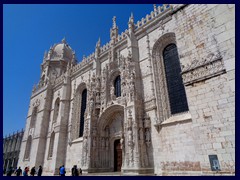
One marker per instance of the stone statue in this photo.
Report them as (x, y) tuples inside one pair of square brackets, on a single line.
[(94, 142), (147, 135), (91, 104), (112, 93), (103, 142)]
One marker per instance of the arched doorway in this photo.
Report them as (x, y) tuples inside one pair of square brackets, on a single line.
[(108, 151), (117, 155)]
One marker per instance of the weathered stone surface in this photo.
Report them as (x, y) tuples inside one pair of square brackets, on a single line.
[(152, 140)]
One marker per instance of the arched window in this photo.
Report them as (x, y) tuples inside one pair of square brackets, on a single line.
[(83, 108), (51, 145), (117, 86), (33, 118), (56, 110), (28, 148), (176, 91)]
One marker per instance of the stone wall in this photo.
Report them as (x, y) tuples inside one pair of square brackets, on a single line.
[(179, 144)]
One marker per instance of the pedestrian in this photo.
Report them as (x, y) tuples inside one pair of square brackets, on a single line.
[(19, 171), (33, 171), (62, 171), (73, 171), (39, 171), (76, 171), (25, 172), (10, 171), (80, 171)]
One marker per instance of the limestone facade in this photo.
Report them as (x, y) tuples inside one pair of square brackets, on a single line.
[(11, 149), (123, 93)]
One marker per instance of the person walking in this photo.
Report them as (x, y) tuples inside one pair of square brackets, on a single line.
[(76, 171), (39, 171), (19, 171), (62, 171), (73, 170), (25, 172), (80, 171), (33, 171)]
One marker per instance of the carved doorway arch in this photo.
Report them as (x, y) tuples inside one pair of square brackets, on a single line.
[(110, 131)]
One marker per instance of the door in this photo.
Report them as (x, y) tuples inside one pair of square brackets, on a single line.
[(117, 155)]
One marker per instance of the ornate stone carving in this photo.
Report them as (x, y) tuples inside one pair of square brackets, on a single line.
[(201, 70), (36, 103), (113, 97)]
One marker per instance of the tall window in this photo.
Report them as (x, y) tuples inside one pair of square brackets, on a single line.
[(33, 118), (117, 86), (56, 110), (176, 91), (51, 145), (28, 147), (83, 108)]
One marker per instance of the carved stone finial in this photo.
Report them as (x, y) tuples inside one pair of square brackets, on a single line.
[(131, 23), (114, 22), (45, 54), (155, 7), (98, 43), (131, 18), (64, 40)]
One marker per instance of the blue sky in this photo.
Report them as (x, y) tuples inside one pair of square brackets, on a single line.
[(29, 30)]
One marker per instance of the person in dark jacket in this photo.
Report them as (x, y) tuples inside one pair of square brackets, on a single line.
[(33, 171), (19, 171), (73, 170), (39, 171), (76, 173)]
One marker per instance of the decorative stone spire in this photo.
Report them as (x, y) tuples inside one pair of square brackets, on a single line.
[(131, 23), (45, 56), (97, 49), (114, 30), (114, 22), (64, 40), (98, 42), (154, 7)]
